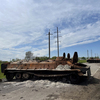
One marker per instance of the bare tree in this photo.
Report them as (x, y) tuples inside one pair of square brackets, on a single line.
[(29, 55)]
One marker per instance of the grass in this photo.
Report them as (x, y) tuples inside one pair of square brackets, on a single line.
[(1, 74), (82, 61)]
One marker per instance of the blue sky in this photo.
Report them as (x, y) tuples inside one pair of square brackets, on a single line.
[(25, 23)]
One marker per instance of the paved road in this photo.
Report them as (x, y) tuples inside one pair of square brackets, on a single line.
[(94, 67), (49, 90)]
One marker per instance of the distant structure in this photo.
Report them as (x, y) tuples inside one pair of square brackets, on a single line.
[(93, 59)]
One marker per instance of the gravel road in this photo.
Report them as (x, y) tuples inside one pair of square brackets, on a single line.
[(51, 90)]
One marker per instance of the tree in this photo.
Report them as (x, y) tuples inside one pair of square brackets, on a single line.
[(42, 58), (29, 55), (83, 58), (14, 60), (54, 57)]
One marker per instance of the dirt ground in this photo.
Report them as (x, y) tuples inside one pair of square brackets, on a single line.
[(51, 90)]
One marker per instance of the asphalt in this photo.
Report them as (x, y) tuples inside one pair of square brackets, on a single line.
[(94, 67), (50, 90)]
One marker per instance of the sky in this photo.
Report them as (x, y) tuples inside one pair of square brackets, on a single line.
[(24, 25)]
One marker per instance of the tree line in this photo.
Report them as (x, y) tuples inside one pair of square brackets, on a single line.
[(29, 56)]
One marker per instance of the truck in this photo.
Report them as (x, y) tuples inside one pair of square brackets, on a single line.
[(63, 68), (92, 60)]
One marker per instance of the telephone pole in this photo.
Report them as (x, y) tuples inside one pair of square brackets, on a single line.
[(57, 41), (91, 53), (87, 54), (49, 41)]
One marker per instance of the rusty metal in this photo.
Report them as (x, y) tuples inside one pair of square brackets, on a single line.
[(62, 66), (68, 56), (46, 65), (75, 57), (0, 80), (64, 55), (4, 66), (93, 60)]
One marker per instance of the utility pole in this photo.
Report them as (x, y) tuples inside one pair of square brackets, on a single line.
[(87, 54), (49, 41), (95, 55), (57, 41), (91, 53)]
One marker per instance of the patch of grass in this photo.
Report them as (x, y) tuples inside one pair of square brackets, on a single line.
[(82, 61), (1, 74)]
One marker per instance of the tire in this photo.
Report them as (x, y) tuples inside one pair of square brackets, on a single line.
[(9, 76), (18, 76), (64, 79), (74, 78), (31, 77), (25, 76)]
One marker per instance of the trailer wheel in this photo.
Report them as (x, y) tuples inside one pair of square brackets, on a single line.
[(18, 76), (9, 76), (64, 79), (25, 76), (74, 78)]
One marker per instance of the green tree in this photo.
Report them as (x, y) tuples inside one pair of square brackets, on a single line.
[(54, 57), (84, 58)]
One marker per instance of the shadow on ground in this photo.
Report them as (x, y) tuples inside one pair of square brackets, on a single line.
[(85, 81)]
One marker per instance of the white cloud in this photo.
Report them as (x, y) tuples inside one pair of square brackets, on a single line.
[(83, 36), (24, 25)]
